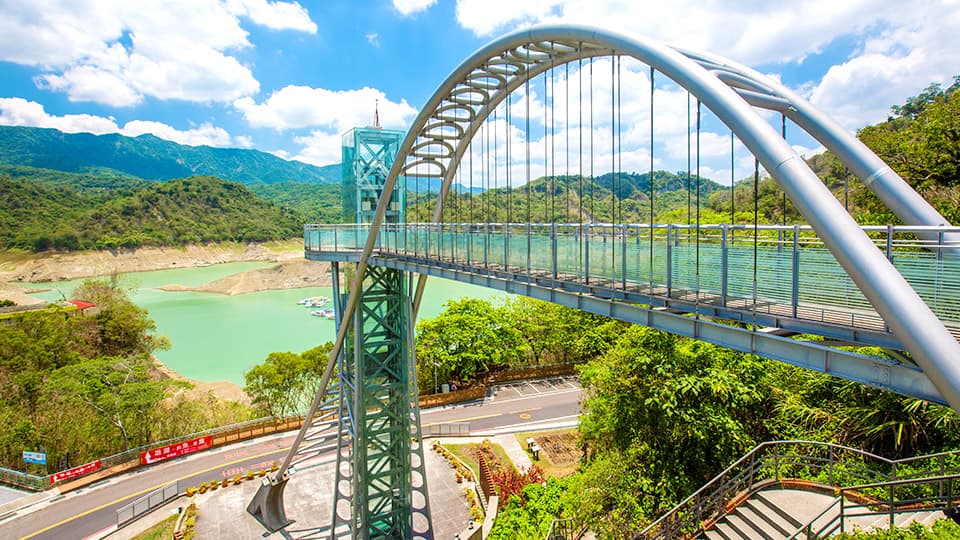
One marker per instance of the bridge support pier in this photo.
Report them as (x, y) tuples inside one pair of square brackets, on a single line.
[(381, 489), (267, 504)]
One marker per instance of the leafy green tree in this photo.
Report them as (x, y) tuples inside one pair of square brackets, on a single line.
[(529, 517), (468, 339), (286, 382), (124, 327), (678, 409), (119, 390)]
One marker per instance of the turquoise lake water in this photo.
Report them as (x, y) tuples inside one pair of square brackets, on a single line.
[(217, 337)]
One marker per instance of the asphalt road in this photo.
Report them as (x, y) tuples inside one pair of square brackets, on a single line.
[(84, 512)]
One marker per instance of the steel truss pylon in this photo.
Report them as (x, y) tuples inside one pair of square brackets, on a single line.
[(381, 487), (370, 416)]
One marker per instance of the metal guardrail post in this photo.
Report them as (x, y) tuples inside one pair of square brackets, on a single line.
[(623, 255), (586, 254), (670, 233), (553, 244), (724, 265), (795, 292), (890, 508)]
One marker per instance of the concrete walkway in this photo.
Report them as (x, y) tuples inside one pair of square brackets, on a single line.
[(309, 500)]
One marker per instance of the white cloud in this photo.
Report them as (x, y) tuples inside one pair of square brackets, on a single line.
[(274, 15), (900, 48), (294, 107), (891, 66), (243, 141), (410, 7), (327, 113), (373, 39), (205, 134), (318, 148), (20, 112), (118, 53), (750, 31)]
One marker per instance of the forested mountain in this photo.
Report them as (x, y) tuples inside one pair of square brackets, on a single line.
[(151, 158), (612, 197), (192, 210), (314, 203)]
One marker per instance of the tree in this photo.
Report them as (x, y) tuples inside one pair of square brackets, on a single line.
[(679, 410), (119, 390), (286, 382), (467, 340), (550, 332), (123, 327), (528, 517)]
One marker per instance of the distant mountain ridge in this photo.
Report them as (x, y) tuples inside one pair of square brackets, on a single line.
[(152, 158)]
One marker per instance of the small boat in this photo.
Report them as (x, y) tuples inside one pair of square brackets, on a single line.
[(314, 301), (326, 313)]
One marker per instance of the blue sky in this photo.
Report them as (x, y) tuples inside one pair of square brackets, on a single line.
[(289, 78)]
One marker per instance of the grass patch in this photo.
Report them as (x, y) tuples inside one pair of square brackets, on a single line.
[(467, 454), (559, 454), (160, 531)]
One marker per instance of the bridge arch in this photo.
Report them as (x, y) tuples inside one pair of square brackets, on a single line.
[(440, 136)]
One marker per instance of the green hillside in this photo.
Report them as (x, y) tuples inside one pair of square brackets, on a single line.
[(620, 197), (151, 158), (315, 203), (36, 216), (920, 141)]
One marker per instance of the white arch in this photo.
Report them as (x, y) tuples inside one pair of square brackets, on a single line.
[(446, 124)]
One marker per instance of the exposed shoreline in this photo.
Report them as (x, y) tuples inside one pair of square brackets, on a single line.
[(290, 272)]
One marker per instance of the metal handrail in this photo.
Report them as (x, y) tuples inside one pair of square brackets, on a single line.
[(891, 504), (707, 503)]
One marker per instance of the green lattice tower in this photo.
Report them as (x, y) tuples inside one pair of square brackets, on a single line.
[(367, 155), (381, 489)]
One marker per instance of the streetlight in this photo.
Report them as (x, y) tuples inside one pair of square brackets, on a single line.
[(435, 387)]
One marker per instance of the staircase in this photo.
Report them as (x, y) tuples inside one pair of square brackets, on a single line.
[(779, 514), (804, 489)]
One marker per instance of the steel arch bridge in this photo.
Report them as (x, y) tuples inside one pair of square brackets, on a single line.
[(436, 147)]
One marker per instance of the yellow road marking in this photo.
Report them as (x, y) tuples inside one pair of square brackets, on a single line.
[(526, 410), (141, 492)]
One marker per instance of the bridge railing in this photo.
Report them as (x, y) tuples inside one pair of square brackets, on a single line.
[(781, 271), (794, 463)]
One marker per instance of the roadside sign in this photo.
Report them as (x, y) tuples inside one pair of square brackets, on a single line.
[(75, 472), (171, 451), (39, 458)]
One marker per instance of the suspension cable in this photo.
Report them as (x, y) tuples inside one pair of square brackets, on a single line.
[(580, 151), (592, 179), (509, 120), (566, 130), (613, 164), (783, 133), (527, 141), (756, 213), (613, 143), (650, 255), (697, 297), (688, 165), (553, 137), (619, 141), (733, 214)]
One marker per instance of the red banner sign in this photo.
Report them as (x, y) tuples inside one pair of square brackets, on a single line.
[(75, 472), (171, 451)]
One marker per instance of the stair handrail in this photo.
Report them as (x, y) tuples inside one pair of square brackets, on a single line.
[(704, 505), (889, 506)]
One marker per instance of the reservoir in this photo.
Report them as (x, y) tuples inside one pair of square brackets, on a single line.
[(216, 337)]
